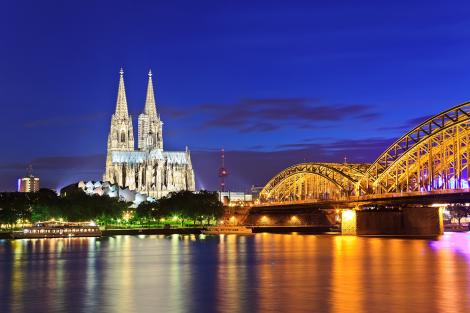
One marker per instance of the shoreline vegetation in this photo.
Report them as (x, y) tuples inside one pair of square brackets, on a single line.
[(178, 210)]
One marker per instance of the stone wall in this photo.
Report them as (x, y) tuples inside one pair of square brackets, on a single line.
[(423, 221), (379, 222), (410, 221)]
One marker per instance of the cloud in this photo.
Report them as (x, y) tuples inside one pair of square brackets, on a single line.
[(54, 171), (173, 112), (411, 123), (408, 125), (253, 166), (267, 115)]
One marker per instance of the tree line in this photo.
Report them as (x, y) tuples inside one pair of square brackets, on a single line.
[(17, 208), (185, 205)]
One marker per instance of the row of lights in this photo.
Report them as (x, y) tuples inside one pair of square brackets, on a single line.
[(293, 220), (263, 220), (347, 215)]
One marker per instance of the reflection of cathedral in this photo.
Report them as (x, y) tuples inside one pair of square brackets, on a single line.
[(148, 170)]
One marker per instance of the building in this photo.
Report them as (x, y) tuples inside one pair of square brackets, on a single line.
[(255, 191), (235, 198), (148, 169), (99, 188), (28, 184)]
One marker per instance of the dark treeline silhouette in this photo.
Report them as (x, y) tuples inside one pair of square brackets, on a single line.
[(16, 208), (187, 205)]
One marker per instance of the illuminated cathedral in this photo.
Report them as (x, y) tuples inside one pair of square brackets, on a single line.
[(148, 169)]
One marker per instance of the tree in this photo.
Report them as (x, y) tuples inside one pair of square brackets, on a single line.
[(210, 205), (150, 210), (177, 203), (193, 206), (14, 206), (45, 205), (82, 207)]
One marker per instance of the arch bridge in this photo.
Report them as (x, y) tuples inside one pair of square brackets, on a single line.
[(430, 158), (310, 181)]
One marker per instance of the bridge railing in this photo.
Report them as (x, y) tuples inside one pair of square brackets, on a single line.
[(271, 203), (409, 194), (366, 197)]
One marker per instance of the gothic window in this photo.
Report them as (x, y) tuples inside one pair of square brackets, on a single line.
[(123, 137)]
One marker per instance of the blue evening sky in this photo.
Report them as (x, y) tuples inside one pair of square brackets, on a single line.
[(274, 83)]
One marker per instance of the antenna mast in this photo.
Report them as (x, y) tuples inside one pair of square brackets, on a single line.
[(222, 171), (29, 170)]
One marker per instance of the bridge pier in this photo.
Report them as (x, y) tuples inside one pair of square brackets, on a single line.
[(408, 221)]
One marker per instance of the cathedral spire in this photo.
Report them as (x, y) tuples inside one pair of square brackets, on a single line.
[(150, 107), (121, 103)]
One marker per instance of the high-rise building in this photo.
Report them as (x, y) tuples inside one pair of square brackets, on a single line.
[(149, 170), (28, 184)]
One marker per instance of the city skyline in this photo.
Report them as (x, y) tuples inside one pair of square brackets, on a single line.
[(273, 85), (234, 156)]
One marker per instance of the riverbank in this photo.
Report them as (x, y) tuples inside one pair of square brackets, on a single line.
[(295, 229), (153, 231), (198, 230), (138, 231)]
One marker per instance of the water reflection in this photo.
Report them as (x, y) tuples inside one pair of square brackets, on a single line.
[(261, 273)]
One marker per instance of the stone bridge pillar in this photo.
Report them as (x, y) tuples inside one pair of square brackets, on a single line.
[(408, 221), (349, 222)]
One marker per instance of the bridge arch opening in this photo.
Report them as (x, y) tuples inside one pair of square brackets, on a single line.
[(314, 181)]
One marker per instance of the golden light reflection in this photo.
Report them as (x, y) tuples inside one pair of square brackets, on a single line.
[(17, 281), (174, 279), (264, 273), (124, 299), (229, 275), (347, 284)]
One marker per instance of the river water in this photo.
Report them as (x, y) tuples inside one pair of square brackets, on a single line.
[(260, 273)]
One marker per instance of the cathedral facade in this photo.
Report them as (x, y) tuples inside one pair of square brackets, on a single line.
[(148, 169)]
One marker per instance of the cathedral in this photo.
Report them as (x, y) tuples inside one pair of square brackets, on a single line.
[(149, 170)]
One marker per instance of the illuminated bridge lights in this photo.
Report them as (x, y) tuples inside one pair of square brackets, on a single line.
[(348, 222), (430, 158), (294, 220)]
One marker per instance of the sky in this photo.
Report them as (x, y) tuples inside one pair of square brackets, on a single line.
[(273, 83)]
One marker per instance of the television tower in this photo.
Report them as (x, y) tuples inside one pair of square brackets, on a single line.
[(29, 170), (222, 171)]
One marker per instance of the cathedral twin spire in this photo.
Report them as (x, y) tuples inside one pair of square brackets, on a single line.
[(150, 126), (121, 103), (150, 106), (148, 170)]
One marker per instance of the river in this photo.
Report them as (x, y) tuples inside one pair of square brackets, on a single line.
[(259, 273)]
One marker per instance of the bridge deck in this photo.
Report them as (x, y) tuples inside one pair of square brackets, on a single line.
[(409, 198)]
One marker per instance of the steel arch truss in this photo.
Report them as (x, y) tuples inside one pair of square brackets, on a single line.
[(432, 156), (314, 181)]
